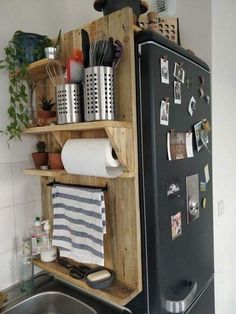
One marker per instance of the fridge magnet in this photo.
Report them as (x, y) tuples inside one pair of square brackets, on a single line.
[(207, 174), (176, 225), (203, 186), (208, 99), (201, 92), (192, 106), (179, 145), (164, 71), (164, 112), (197, 131), (173, 188), (177, 92), (206, 128), (189, 144), (189, 82), (179, 72), (192, 197), (204, 202), (202, 80), (176, 145)]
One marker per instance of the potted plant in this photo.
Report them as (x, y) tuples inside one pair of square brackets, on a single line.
[(21, 50), (40, 157), (46, 114), (54, 161)]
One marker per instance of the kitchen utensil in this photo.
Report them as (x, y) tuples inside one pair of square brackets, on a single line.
[(99, 94), (108, 57), (85, 47), (55, 72), (69, 103), (118, 51), (51, 52)]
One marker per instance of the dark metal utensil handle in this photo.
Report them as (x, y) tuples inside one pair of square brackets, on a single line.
[(179, 306)]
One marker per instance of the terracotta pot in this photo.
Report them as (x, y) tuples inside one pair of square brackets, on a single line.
[(54, 161), (40, 159), (45, 117)]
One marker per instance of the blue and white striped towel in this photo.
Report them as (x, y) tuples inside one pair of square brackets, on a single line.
[(79, 223)]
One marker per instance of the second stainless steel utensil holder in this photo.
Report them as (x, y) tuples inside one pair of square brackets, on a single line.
[(69, 103), (99, 93)]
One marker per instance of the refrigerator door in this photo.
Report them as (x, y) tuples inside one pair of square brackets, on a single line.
[(176, 268), (205, 303)]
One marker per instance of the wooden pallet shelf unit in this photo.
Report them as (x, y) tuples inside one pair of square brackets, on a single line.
[(122, 243)]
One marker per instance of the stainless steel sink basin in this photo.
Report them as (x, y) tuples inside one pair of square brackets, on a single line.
[(52, 296), (51, 302)]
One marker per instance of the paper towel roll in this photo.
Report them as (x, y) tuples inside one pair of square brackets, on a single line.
[(90, 157)]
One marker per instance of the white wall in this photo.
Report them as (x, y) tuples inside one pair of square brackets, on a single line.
[(208, 28), (20, 195)]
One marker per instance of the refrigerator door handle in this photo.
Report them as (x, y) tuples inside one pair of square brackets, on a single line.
[(181, 305)]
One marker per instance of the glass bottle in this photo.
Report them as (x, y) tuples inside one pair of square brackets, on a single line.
[(26, 267)]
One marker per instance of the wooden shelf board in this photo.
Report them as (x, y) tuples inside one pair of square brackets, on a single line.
[(117, 292), (37, 70), (58, 173), (44, 173), (83, 126)]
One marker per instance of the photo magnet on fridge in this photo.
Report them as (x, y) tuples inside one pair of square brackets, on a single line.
[(179, 72), (164, 71), (173, 188), (176, 225), (197, 131), (207, 175), (179, 145), (177, 92), (192, 106), (192, 197), (164, 112)]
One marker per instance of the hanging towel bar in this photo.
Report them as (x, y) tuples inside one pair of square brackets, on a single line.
[(103, 188)]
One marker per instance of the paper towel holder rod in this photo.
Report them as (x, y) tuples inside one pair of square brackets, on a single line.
[(103, 188)]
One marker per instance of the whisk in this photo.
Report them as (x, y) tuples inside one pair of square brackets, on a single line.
[(55, 72)]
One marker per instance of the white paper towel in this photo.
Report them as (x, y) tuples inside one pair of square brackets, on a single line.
[(90, 157)]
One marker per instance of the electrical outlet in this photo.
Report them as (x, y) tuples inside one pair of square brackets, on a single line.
[(221, 208)]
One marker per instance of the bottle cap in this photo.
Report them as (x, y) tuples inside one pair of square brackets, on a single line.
[(37, 222)]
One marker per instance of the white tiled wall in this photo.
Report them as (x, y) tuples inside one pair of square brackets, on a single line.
[(19, 204), (20, 194)]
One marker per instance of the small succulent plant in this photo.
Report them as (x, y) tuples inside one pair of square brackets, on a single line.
[(46, 104), (41, 147)]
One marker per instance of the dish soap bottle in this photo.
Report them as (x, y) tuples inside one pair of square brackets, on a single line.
[(26, 266), (37, 237), (48, 252)]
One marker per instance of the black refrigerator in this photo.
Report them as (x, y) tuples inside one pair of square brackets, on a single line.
[(175, 177)]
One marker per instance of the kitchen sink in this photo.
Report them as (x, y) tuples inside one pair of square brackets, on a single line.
[(54, 296), (51, 302)]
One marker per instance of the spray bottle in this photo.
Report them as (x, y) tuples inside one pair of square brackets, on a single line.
[(48, 252)]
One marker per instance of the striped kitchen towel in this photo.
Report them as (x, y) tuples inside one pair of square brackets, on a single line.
[(79, 223)]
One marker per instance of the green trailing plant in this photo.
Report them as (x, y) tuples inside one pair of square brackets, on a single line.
[(41, 147), (46, 104), (16, 62)]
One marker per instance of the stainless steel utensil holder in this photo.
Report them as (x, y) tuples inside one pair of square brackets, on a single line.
[(98, 94), (69, 103)]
